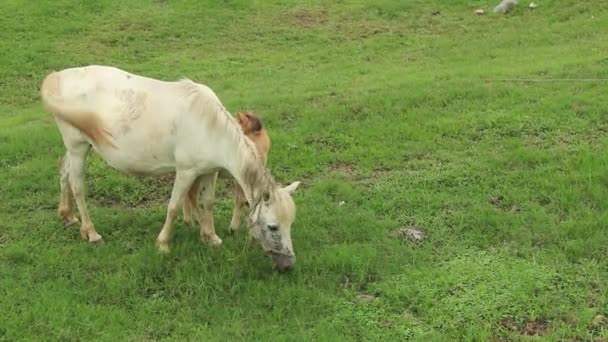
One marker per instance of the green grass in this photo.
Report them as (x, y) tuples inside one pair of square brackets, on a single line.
[(379, 104)]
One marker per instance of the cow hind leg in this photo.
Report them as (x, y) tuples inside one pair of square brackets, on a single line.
[(77, 156), (187, 208), (65, 210)]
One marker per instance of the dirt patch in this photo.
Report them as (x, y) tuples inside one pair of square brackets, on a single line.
[(344, 168), (537, 327), (381, 171), (307, 18), (412, 233), (368, 31), (349, 28)]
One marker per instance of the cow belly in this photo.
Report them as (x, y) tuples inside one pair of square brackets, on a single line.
[(139, 165), (141, 158)]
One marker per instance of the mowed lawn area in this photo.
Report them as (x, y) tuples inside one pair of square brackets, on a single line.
[(393, 114)]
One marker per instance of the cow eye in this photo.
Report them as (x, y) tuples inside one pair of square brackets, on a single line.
[(273, 227)]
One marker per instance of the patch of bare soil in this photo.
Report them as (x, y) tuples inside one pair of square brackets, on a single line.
[(381, 171), (368, 31), (537, 327), (307, 18), (344, 168)]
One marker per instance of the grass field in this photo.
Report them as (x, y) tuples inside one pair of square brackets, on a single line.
[(402, 115)]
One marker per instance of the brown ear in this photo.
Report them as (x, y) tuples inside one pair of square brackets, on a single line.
[(241, 117), (255, 124)]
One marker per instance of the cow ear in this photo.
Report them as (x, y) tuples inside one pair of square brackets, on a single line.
[(291, 188), (241, 118), (255, 124)]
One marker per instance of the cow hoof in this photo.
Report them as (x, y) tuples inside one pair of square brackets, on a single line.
[(98, 242), (67, 222), (162, 247), (213, 240)]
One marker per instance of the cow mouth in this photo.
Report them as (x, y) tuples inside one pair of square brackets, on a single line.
[(282, 262)]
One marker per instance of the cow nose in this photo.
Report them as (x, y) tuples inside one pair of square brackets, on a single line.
[(282, 262)]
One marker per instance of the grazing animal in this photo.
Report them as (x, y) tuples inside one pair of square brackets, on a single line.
[(145, 126), (252, 127)]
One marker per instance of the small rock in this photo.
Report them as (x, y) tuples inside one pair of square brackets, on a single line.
[(363, 298), (479, 11), (413, 233), (532, 5), (505, 6)]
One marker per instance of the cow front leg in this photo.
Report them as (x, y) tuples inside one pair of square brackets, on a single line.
[(207, 232), (240, 201), (183, 182)]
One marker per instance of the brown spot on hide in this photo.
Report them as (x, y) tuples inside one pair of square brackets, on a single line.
[(87, 122), (91, 126)]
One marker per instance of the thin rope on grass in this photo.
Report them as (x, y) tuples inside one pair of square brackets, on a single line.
[(247, 242)]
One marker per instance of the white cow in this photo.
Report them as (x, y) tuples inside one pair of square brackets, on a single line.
[(145, 126)]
